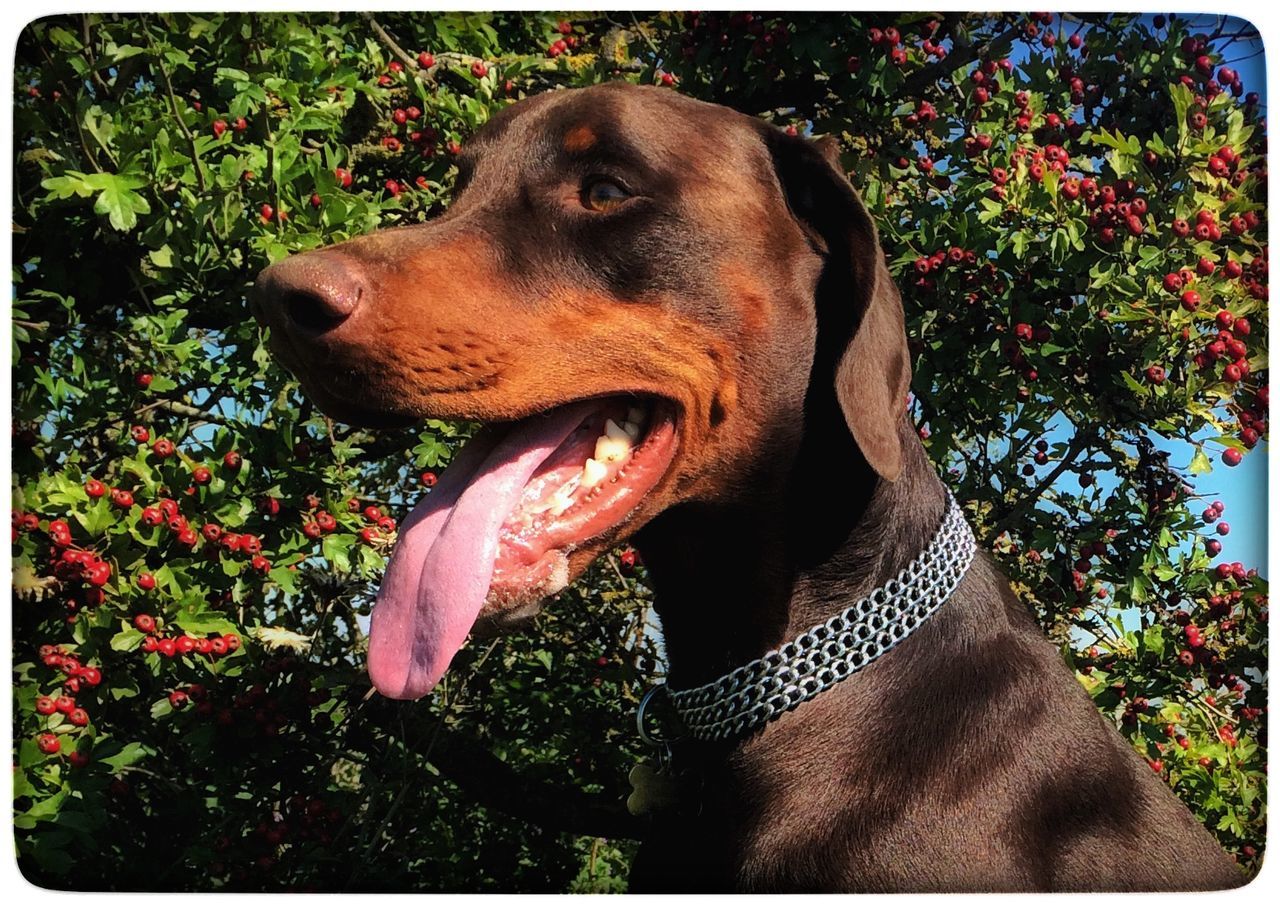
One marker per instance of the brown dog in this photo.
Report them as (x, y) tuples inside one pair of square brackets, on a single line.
[(715, 289)]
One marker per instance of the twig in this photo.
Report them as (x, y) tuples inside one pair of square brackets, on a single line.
[(177, 112), (91, 57), (921, 78), (75, 118), (410, 64), (1078, 444)]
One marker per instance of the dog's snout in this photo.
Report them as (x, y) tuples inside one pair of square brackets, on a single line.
[(310, 294)]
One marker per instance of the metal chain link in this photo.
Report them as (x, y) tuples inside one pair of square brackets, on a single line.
[(827, 654)]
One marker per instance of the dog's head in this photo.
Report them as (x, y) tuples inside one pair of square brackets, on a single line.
[(638, 293)]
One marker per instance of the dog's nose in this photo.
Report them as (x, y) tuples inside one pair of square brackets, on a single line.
[(308, 294)]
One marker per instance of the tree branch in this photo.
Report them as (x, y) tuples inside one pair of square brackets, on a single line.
[(921, 78), (177, 112), (1011, 518)]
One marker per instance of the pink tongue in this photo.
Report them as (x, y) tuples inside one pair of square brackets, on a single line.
[(439, 574)]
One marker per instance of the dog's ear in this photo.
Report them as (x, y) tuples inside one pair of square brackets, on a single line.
[(861, 334)]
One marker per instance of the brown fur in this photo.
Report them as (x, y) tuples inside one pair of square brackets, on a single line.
[(744, 284)]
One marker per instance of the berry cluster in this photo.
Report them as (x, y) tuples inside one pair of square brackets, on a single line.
[(63, 712), (181, 645)]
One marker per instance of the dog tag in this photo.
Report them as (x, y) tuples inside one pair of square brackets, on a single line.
[(654, 790)]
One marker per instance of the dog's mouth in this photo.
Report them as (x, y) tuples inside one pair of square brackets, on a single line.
[(495, 535)]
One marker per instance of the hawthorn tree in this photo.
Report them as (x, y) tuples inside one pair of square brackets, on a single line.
[(1073, 207)]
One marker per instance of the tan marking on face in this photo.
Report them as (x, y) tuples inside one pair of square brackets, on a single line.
[(578, 139)]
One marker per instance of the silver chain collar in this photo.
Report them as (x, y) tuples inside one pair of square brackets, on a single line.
[(827, 654)]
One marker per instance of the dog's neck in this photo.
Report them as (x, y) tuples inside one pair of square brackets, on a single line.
[(734, 581)]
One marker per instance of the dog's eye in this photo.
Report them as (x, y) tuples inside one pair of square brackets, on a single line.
[(603, 195)]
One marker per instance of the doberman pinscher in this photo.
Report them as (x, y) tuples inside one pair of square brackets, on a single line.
[(678, 324)]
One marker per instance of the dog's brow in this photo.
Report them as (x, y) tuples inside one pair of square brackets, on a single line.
[(606, 149)]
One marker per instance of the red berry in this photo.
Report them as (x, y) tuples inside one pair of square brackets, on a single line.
[(177, 699), (428, 479), (144, 623), (99, 574), (201, 475), (1232, 457), (232, 460), (163, 448), (45, 705), (426, 60), (122, 498), (343, 176), (1190, 300), (139, 433), (219, 127), (78, 717), (479, 69), (147, 581), (48, 743), (94, 488)]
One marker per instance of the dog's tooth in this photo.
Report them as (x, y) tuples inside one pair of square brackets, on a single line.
[(616, 431), (632, 430), (560, 501), (593, 473), (612, 449)]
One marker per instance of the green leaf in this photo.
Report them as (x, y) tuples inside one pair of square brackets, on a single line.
[(201, 623), (336, 548), (118, 200), (127, 639)]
